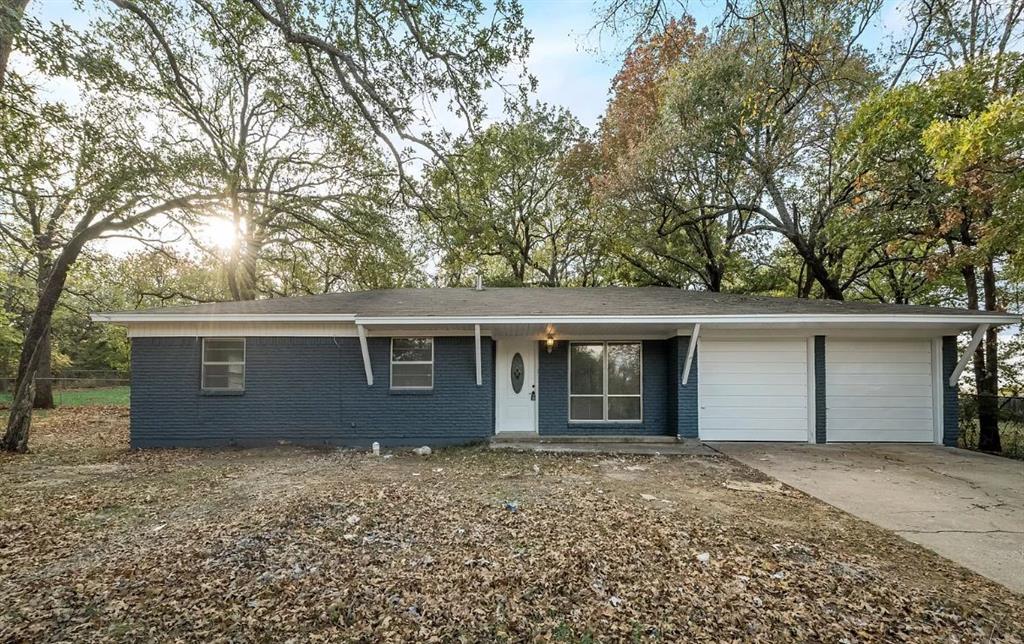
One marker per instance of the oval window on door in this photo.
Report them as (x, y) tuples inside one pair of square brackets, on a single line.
[(517, 373)]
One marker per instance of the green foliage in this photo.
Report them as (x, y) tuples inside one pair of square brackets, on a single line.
[(10, 344), (508, 202), (942, 160)]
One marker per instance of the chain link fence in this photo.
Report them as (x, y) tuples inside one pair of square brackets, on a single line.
[(81, 387), (1011, 423)]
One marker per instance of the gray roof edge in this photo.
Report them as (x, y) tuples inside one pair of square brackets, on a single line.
[(531, 303)]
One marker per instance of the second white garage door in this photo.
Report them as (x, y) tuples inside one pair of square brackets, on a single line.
[(879, 390), (753, 390)]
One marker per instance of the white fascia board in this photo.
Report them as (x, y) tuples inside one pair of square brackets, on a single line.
[(129, 318), (969, 321)]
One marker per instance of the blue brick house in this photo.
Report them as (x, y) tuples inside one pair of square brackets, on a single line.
[(446, 366)]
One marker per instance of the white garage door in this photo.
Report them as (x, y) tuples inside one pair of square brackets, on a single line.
[(753, 390), (879, 390)]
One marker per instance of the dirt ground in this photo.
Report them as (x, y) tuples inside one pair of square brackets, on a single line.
[(101, 543)]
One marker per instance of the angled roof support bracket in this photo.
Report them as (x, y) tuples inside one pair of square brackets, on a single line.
[(979, 333), (366, 354), (689, 353)]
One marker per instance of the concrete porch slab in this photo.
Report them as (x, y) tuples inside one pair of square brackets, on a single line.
[(533, 437), (675, 447)]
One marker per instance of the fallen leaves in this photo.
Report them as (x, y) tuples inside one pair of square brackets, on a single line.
[(325, 545)]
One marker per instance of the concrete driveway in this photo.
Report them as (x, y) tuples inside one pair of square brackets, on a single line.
[(965, 506)]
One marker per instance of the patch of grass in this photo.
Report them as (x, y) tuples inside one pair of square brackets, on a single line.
[(105, 396)]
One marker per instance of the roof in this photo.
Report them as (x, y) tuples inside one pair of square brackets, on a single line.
[(537, 302)]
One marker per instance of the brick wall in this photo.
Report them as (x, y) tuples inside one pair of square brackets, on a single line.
[(950, 402), (308, 391), (687, 410)]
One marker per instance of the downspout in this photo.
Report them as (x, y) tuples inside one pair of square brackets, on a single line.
[(476, 334)]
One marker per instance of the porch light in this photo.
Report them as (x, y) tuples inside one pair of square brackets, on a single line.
[(550, 342)]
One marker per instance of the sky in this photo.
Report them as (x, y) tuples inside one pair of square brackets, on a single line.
[(572, 68), (575, 71)]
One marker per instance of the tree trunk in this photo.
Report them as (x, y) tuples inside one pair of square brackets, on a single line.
[(11, 13), (817, 269), (247, 287), (715, 275), (242, 268), (43, 398), (20, 419), (988, 384)]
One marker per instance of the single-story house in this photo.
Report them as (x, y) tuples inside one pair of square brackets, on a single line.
[(454, 365)]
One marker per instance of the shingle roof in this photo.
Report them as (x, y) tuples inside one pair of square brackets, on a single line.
[(510, 302)]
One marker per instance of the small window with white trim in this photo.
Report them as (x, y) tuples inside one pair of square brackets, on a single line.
[(605, 381), (223, 364), (412, 363)]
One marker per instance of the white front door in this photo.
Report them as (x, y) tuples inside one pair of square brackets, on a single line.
[(515, 385)]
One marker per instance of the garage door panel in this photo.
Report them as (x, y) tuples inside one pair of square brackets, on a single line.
[(753, 389), (853, 345), (734, 414), (761, 389), (797, 379), (910, 379), (767, 435), (753, 402), (886, 389), (885, 428), (856, 436), (759, 424), (868, 368), (739, 357), (868, 403), (879, 390), (918, 354), (751, 344), (896, 413), (759, 373)]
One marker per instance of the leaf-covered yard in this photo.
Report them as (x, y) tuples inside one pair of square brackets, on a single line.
[(97, 542)]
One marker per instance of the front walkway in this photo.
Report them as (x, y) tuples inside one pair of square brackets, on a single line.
[(965, 506), (643, 445)]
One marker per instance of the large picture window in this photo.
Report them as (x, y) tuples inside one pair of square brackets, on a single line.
[(224, 364), (412, 363), (605, 381)]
